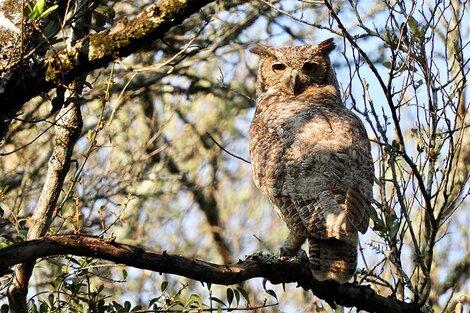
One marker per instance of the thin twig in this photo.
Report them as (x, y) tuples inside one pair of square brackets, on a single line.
[(226, 151)]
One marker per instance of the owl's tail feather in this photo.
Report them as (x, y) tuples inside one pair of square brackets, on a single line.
[(332, 259)]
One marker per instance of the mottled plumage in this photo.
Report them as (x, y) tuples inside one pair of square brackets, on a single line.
[(311, 157)]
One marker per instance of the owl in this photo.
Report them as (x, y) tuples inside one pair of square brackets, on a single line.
[(311, 156)]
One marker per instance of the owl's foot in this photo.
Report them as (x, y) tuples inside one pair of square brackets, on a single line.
[(292, 244), (297, 253), (283, 251)]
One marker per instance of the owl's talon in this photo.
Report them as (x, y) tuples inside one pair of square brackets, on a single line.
[(303, 257), (299, 254), (287, 252)]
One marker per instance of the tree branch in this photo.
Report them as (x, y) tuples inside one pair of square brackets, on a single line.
[(67, 131), (277, 270), (90, 53)]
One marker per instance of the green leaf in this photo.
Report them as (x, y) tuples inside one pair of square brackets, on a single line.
[(217, 300), (117, 306), (391, 39), (40, 5), (33, 13), (127, 306), (378, 223), (194, 301), (90, 134), (390, 219), (100, 289), (124, 274), (51, 299), (272, 293), (392, 224), (48, 11), (57, 281), (154, 300), (164, 285), (43, 307), (237, 296), (198, 300), (244, 294), (374, 216), (34, 308), (37, 10), (229, 296), (414, 26), (176, 303), (415, 29)]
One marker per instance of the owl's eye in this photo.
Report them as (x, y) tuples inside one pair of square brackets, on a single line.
[(309, 67), (278, 67)]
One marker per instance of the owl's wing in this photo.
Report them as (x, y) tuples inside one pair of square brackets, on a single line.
[(329, 176), (314, 163), (350, 177), (359, 197)]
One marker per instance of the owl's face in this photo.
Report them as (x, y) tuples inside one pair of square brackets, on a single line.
[(293, 70)]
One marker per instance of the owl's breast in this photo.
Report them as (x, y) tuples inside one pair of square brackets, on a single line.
[(311, 129), (295, 147)]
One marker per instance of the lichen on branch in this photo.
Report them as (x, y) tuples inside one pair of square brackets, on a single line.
[(276, 269)]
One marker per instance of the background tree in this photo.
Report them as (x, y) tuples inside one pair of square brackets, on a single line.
[(129, 121)]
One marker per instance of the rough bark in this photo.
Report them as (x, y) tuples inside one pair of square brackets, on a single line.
[(277, 270), (90, 53), (67, 131)]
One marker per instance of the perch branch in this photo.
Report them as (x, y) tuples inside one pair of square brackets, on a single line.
[(277, 270)]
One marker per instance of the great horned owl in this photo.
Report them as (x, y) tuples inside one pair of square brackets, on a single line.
[(311, 156)]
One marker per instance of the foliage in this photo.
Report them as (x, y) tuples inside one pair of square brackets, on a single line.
[(148, 168), (38, 12)]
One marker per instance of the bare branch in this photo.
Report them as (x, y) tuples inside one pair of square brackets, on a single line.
[(226, 151), (277, 270)]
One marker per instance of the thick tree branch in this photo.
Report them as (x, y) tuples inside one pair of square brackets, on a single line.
[(67, 131), (92, 52), (277, 270)]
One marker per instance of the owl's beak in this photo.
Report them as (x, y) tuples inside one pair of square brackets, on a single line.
[(294, 82)]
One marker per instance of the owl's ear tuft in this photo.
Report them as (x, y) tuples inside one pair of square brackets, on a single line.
[(325, 47), (260, 49)]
